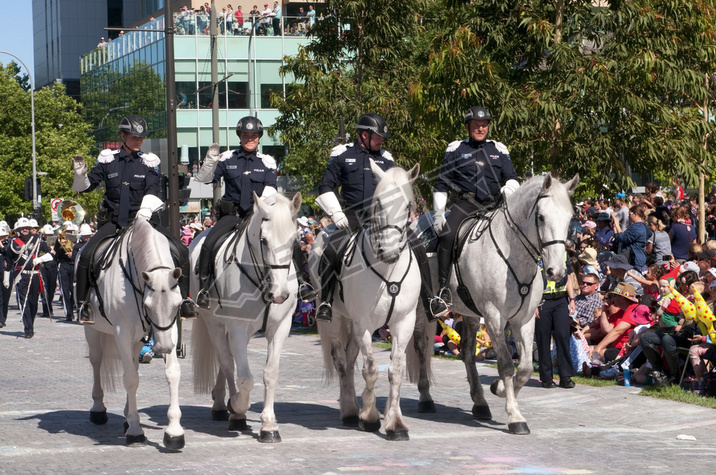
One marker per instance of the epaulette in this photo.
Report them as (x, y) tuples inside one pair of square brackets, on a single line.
[(502, 148), (386, 154), (226, 155), (106, 155), (339, 149), (150, 160), (268, 160), (452, 146)]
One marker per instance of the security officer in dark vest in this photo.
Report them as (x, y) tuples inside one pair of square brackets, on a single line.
[(131, 183), (245, 171), (349, 167), (28, 253), (5, 268), (476, 169)]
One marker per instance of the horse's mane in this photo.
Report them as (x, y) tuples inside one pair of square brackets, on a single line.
[(144, 246), (396, 179), (529, 191), (282, 219)]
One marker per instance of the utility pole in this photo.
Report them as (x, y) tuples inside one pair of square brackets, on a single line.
[(173, 162), (214, 32), (702, 184)]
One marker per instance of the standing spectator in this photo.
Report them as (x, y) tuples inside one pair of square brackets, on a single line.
[(28, 253), (553, 320), (266, 18), (5, 266), (229, 19), (604, 234), (238, 20), (311, 15), (101, 43), (276, 14), (677, 190), (658, 246), (633, 238), (682, 234), (622, 210)]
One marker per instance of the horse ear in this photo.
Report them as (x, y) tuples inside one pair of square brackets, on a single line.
[(296, 202), (571, 185), (377, 171), (547, 183), (414, 172), (177, 273), (259, 204)]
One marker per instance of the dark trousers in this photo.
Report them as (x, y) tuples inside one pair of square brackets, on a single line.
[(49, 282), (276, 26), (554, 321), (4, 301), (28, 294), (650, 343), (458, 212), (224, 226), (66, 275)]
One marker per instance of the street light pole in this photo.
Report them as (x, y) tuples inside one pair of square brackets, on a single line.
[(32, 119)]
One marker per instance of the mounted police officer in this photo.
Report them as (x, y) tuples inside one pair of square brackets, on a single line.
[(245, 171), (28, 253), (478, 170), (131, 183), (349, 167)]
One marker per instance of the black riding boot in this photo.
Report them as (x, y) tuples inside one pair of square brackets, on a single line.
[(439, 305), (434, 308), (306, 292), (81, 292), (328, 279)]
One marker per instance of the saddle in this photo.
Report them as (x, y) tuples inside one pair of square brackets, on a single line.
[(105, 252), (233, 237), (344, 256)]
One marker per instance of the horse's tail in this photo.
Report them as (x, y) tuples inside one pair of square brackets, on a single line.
[(111, 368), (329, 370), (422, 338), (204, 361)]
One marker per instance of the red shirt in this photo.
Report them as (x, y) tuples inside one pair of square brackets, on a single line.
[(624, 316)]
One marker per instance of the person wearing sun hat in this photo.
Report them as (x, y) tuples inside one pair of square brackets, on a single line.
[(624, 298), (617, 267), (588, 259)]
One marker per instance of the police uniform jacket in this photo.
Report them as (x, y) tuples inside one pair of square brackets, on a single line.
[(475, 167), (349, 166), (21, 251), (245, 172), (116, 168)]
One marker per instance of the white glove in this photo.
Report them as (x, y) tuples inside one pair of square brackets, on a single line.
[(80, 182), (510, 187), (150, 204), (329, 203), (42, 259), (206, 172), (6, 280), (439, 203)]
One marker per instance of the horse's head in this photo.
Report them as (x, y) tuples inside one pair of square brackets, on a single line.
[(390, 211), (162, 299), (552, 212), (277, 234)]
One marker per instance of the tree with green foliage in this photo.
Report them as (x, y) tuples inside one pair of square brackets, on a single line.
[(60, 133)]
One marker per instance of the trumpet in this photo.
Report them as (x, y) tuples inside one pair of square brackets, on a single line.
[(71, 212)]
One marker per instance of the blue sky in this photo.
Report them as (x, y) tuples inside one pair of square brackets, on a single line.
[(16, 33)]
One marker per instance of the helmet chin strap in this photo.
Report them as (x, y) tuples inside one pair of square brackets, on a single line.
[(370, 137)]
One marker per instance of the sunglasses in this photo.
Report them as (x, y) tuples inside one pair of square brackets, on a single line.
[(590, 283)]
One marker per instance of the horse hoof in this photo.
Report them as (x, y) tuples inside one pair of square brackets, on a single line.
[(98, 417), (369, 426), (219, 415), (269, 436), (518, 428), (397, 435), (238, 424), (493, 387), (135, 440), (481, 413), (426, 407), (174, 443), (350, 421)]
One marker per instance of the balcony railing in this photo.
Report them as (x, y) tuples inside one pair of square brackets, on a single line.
[(198, 24)]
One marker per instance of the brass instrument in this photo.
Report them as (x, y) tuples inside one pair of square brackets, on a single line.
[(71, 212)]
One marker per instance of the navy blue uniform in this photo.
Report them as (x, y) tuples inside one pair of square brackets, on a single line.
[(244, 173), (66, 275), (23, 251), (349, 166), (49, 281), (5, 266)]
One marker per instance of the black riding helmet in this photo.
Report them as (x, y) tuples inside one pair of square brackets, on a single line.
[(373, 123), (477, 113), (251, 125), (134, 125)]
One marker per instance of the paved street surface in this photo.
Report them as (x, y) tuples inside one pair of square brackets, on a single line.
[(45, 386)]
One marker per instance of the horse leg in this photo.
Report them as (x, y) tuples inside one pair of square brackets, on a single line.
[(524, 339), (422, 349), (219, 410), (174, 433), (468, 345), (344, 357), (504, 386), (128, 352), (98, 412), (395, 428), (369, 417), (239, 401), (269, 428)]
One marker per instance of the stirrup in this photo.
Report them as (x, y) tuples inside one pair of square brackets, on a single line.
[(306, 292), (324, 312), (202, 299), (188, 309), (85, 315)]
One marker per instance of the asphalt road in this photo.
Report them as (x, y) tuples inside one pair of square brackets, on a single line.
[(45, 386)]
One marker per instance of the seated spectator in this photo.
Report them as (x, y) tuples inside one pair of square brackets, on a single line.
[(589, 264), (658, 246), (617, 267), (650, 280), (624, 298), (588, 302), (604, 234)]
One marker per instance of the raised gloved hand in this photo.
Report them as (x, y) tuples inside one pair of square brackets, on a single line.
[(206, 171), (80, 182)]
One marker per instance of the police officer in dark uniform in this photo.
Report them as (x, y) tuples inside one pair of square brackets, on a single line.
[(244, 171), (476, 169), (28, 253), (5, 267), (131, 183), (349, 167)]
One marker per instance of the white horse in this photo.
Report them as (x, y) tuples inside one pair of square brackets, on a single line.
[(136, 292), (255, 289), (499, 272), (380, 279)]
